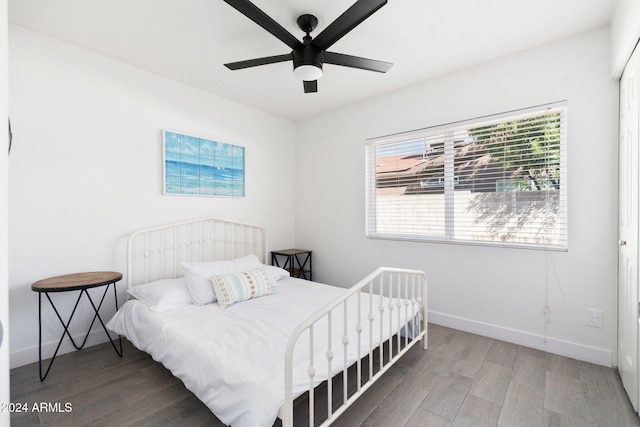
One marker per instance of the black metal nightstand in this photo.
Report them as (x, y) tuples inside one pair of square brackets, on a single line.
[(296, 261)]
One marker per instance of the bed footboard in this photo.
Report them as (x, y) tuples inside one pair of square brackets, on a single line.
[(391, 318)]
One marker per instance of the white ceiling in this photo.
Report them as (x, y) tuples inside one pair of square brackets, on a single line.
[(189, 41)]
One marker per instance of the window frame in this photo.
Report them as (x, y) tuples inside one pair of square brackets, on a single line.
[(448, 130)]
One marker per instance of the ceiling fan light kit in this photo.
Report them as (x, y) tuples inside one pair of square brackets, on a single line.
[(307, 58), (310, 55), (308, 73)]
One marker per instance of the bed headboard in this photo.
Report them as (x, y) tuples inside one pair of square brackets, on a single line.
[(157, 252)]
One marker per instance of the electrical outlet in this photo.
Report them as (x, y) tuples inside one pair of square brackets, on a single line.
[(594, 318)]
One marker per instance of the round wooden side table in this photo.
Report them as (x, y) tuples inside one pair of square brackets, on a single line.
[(75, 282)]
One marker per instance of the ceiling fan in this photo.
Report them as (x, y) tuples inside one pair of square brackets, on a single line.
[(310, 54)]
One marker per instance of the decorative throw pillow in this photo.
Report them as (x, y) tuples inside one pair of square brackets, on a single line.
[(236, 287), (198, 275)]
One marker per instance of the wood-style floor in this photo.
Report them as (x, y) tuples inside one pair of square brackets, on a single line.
[(462, 380)]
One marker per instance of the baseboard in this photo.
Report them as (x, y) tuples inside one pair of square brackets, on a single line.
[(582, 352), (30, 355)]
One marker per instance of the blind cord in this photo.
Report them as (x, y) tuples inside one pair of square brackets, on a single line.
[(550, 267)]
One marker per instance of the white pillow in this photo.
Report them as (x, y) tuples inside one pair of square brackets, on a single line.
[(162, 295), (198, 275), (275, 273), (241, 286)]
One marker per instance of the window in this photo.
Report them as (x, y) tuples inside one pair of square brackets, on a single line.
[(499, 180)]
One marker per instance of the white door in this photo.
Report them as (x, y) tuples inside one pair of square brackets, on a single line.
[(628, 302)]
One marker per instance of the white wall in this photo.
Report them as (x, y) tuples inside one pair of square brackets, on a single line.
[(86, 170), (625, 32), (4, 212), (493, 291)]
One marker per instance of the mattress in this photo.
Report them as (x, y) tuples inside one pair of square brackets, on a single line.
[(233, 359)]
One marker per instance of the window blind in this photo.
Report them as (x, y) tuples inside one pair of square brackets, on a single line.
[(497, 180)]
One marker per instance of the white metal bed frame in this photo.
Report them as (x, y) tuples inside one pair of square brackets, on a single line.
[(157, 253)]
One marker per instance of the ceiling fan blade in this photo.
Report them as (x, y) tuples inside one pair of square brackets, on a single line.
[(249, 10), (310, 87), (346, 22), (258, 61), (357, 62)]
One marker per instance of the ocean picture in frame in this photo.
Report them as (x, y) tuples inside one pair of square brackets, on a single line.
[(202, 167)]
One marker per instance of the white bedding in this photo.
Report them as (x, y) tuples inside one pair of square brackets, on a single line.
[(233, 359)]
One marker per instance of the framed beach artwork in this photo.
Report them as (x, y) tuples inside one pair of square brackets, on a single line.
[(201, 167)]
